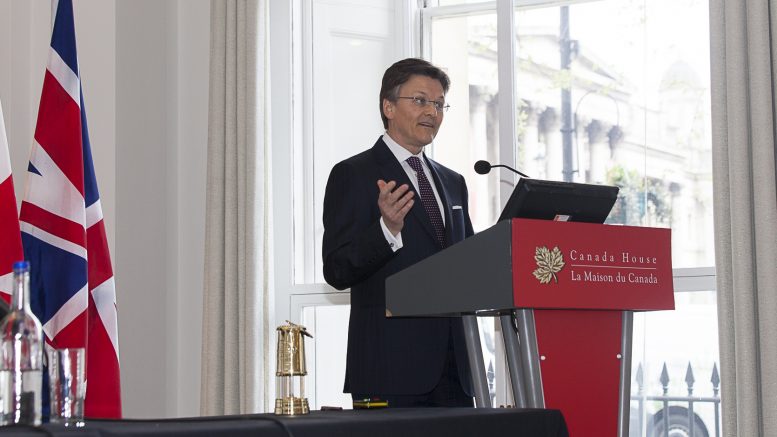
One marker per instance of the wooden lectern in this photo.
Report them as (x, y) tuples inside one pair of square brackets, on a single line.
[(572, 288)]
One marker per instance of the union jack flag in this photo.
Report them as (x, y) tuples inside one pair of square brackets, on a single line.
[(10, 241), (71, 279)]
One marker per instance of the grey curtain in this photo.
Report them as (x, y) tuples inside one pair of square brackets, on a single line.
[(236, 302), (745, 194)]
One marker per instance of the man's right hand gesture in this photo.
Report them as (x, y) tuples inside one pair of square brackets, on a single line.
[(394, 204)]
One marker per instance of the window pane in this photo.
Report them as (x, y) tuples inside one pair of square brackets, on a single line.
[(637, 98), (636, 92), (326, 354), (685, 343), (466, 48), (352, 44), (469, 132)]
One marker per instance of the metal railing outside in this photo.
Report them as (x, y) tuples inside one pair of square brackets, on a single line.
[(668, 421)]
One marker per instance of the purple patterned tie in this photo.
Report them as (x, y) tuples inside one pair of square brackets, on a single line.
[(428, 200)]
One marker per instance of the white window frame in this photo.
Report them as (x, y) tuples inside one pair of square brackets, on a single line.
[(292, 151)]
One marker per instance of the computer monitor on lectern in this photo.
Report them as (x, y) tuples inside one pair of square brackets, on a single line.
[(553, 200)]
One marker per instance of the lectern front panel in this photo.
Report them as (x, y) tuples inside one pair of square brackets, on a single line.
[(473, 275), (566, 265)]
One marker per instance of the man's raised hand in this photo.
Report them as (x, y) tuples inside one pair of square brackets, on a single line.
[(394, 204)]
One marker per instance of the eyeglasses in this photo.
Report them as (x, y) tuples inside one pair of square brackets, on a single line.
[(421, 102)]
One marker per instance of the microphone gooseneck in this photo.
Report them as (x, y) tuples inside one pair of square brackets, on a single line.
[(483, 167)]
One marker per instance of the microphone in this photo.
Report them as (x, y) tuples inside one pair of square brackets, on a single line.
[(483, 167)]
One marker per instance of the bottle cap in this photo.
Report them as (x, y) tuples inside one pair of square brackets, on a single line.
[(21, 266)]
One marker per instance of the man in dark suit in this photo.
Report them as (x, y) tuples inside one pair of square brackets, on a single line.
[(384, 210)]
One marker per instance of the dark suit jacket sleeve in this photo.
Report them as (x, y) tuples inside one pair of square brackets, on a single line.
[(354, 246), (468, 230)]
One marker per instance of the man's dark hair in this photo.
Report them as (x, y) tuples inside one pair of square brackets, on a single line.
[(400, 72)]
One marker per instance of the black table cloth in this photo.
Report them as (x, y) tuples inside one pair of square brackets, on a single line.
[(399, 422)]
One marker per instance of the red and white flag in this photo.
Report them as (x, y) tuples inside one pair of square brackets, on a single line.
[(71, 279), (10, 241)]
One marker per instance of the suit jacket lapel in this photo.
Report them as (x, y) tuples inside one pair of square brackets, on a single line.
[(391, 170)]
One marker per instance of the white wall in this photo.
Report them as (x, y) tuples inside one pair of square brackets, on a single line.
[(144, 69)]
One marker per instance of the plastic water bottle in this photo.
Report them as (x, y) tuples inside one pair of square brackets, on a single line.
[(21, 355)]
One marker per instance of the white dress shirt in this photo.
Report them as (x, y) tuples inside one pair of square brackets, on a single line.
[(402, 154)]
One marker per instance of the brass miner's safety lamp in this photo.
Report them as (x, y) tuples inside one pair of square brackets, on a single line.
[(290, 371)]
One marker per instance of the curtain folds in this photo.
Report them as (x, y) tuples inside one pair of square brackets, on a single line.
[(235, 350), (743, 70)]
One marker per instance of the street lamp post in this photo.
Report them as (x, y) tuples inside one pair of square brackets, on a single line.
[(565, 45)]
